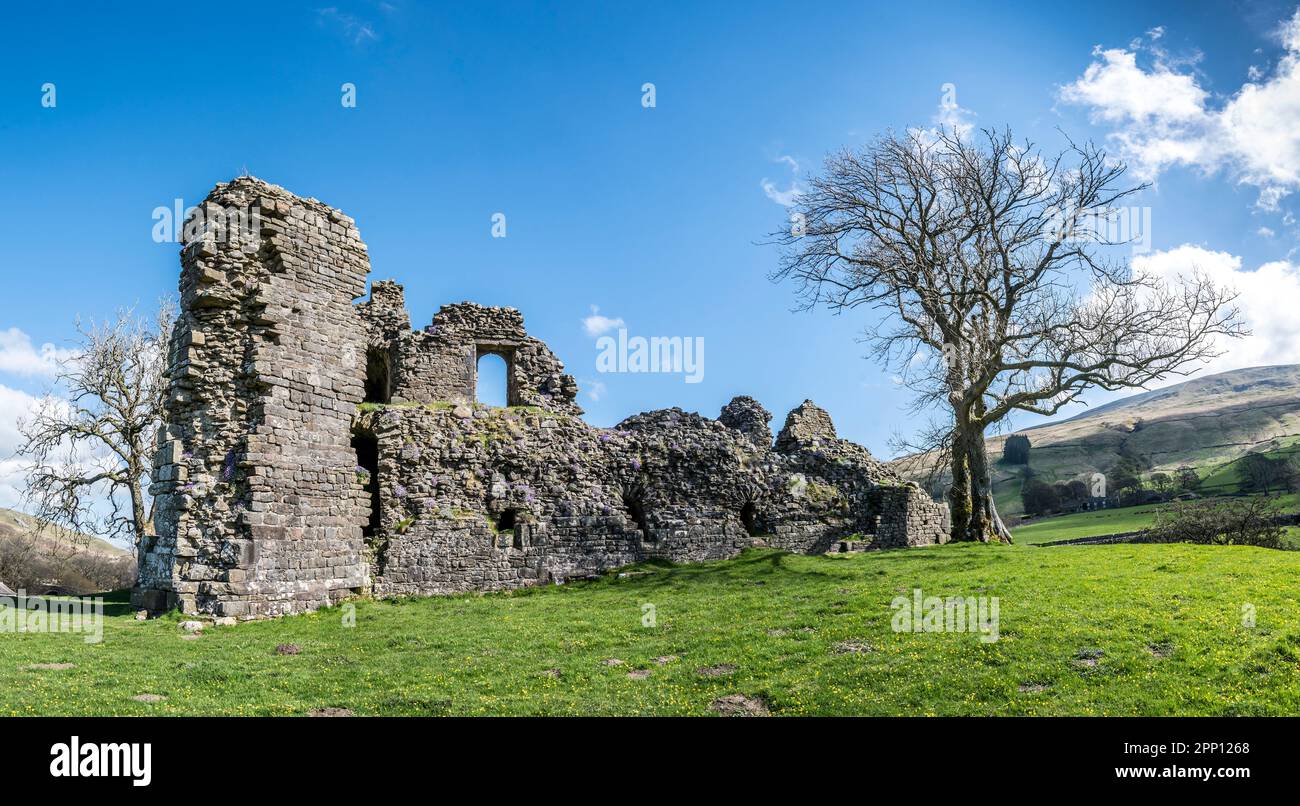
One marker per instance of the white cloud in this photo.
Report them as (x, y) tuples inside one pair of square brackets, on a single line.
[(596, 324), (13, 474), (785, 198), (351, 26), (1267, 297), (1160, 116), (953, 117), (14, 405), (1265, 232), (595, 389), (18, 356)]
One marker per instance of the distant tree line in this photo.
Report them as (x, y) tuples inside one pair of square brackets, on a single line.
[(25, 565), (1126, 484)]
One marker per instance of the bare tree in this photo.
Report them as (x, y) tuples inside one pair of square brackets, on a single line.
[(91, 445), (991, 295)]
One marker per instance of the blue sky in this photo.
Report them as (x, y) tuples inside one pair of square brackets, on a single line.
[(654, 215)]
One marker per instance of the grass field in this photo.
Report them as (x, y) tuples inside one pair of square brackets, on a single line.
[(1124, 629), (1086, 524), (1112, 521)]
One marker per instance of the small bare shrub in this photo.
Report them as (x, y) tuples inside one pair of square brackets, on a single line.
[(1249, 521)]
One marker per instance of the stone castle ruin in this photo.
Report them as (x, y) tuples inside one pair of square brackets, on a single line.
[(317, 448)]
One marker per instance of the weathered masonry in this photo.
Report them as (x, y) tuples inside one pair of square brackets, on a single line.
[(316, 447)]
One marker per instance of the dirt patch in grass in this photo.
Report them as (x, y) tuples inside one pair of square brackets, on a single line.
[(1161, 649), (288, 649), (852, 648), (149, 698), (639, 674), (331, 711), (720, 670), (740, 705), (48, 667), (1088, 658)]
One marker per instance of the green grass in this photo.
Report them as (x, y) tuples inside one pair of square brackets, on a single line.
[(1167, 620), (1086, 524), (1228, 477), (1108, 521)]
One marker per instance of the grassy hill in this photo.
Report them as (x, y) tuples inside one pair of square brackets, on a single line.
[(1125, 629), (18, 524), (1206, 423)]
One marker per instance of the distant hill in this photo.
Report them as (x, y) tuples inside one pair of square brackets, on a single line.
[(1203, 423), (18, 524)]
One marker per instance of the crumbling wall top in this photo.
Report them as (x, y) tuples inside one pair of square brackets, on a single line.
[(806, 427)]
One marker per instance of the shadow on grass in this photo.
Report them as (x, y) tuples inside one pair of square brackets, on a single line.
[(116, 603)]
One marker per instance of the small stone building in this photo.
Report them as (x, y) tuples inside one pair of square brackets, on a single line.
[(317, 447)]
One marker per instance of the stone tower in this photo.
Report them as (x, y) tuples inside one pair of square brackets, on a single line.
[(257, 510)]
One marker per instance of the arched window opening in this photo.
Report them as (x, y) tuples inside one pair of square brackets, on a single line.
[(493, 378)]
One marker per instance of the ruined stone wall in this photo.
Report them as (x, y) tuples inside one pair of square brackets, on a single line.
[(316, 448), (258, 511), (481, 498), (440, 362)]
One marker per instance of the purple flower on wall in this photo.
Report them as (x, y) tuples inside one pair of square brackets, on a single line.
[(605, 436), (399, 491), (636, 464), (228, 467)]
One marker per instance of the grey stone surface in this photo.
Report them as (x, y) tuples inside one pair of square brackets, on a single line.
[(316, 447)]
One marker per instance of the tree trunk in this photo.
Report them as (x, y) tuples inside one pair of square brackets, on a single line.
[(959, 503), (139, 523), (974, 513), (985, 525)]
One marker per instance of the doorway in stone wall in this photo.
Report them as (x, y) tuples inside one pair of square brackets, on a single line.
[(379, 388), (749, 519), (367, 448)]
